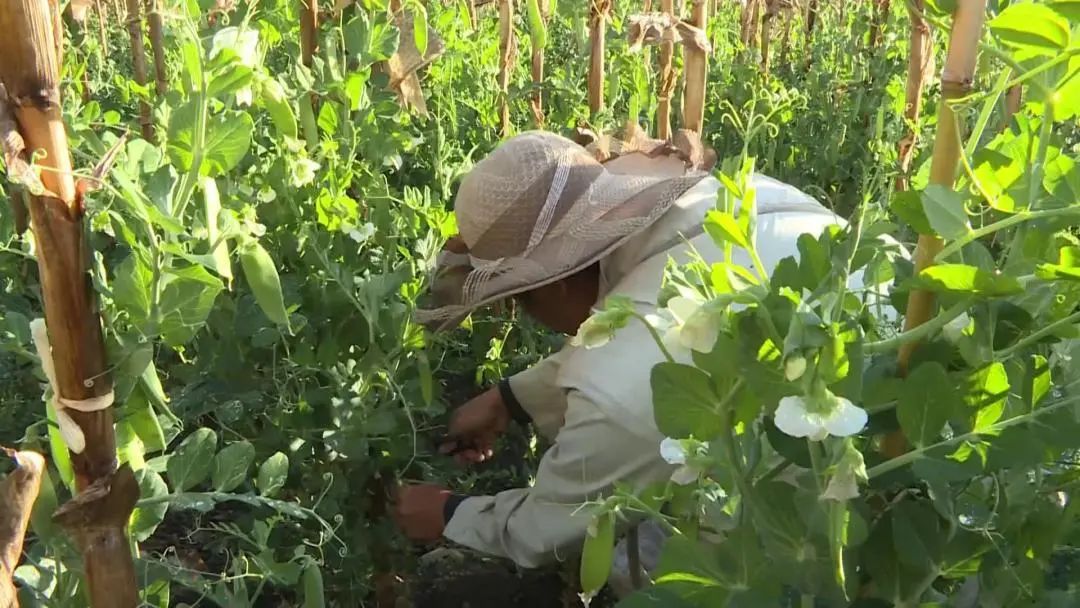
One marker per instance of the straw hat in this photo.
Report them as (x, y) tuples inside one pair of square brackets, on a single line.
[(538, 209)]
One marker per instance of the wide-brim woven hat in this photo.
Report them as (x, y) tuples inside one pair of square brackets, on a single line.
[(538, 209)]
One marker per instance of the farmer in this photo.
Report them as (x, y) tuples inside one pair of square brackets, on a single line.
[(542, 220)]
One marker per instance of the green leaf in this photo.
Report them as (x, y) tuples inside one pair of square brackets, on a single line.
[(985, 393), (186, 302), (723, 227), (684, 402), (129, 448), (1067, 268), (1032, 26), (190, 464), (927, 398), (231, 466), (597, 553), (144, 520), (131, 287), (689, 568), (58, 449), (944, 210), (263, 279), (964, 279), (420, 29), (226, 142), (314, 596), (272, 474), (908, 206), (537, 27)]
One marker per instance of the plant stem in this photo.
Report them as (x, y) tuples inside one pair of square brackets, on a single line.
[(920, 332), (1012, 220), (656, 337), (1036, 336), (993, 429)]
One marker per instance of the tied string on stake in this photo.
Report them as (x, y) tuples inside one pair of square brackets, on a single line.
[(69, 429)]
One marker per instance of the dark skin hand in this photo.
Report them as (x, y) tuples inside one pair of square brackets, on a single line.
[(475, 426), (418, 511)]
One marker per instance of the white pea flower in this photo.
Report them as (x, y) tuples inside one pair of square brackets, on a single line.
[(600, 328), (673, 451), (687, 323), (818, 418), (954, 330), (850, 470), (303, 171)]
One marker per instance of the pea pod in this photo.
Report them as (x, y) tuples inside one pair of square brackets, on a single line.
[(597, 553), (308, 124), (265, 284), (537, 28), (277, 105), (313, 586)]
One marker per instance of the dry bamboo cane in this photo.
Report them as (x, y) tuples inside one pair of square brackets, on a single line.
[(811, 21), (751, 23), (772, 8), (879, 18), (598, 16), (507, 47), (788, 15), (1014, 98), (537, 100), (138, 58), (157, 44), (956, 80), (697, 64), (920, 69), (666, 83), (309, 25), (18, 491), (474, 21), (97, 515)]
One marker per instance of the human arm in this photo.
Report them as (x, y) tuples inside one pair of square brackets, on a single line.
[(543, 523)]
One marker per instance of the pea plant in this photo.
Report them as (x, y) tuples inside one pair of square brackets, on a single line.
[(784, 391)]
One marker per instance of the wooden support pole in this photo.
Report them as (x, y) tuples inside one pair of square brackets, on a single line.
[(98, 514), (309, 27), (878, 20), (538, 40), (507, 53), (155, 26), (138, 58), (18, 491), (666, 84), (772, 9), (750, 23), (697, 66), (956, 80), (920, 69), (788, 15), (598, 15)]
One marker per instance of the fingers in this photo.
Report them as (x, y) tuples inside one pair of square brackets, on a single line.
[(473, 456)]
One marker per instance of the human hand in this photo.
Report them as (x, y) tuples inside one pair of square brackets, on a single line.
[(418, 511), (475, 426)]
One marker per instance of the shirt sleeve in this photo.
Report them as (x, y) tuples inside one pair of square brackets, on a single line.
[(537, 395), (544, 523)]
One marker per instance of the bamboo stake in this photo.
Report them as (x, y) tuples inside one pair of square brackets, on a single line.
[(598, 16), (138, 58), (537, 101), (98, 514), (785, 40), (750, 23), (309, 25), (772, 9), (811, 21), (920, 69), (474, 21), (697, 65), (18, 491), (1014, 98), (956, 81), (877, 23), (666, 83), (157, 44), (507, 49)]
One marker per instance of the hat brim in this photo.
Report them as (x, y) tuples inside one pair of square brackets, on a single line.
[(449, 311)]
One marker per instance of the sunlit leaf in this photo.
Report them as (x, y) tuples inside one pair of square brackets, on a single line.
[(964, 279), (1031, 26)]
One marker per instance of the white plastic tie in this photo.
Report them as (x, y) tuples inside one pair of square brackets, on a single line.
[(69, 429)]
